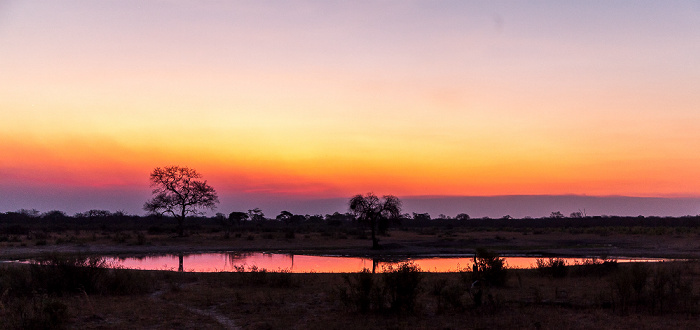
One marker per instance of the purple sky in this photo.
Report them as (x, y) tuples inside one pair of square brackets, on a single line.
[(72, 201)]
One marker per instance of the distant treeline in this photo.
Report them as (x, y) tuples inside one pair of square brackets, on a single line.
[(23, 221)]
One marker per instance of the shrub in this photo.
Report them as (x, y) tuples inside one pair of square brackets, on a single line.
[(622, 290), (38, 312), (490, 268), (59, 274), (126, 282), (667, 288), (140, 238), (448, 294), (14, 280), (256, 276), (281, 278), (402, 285), (658, 294), (680, 289), (120, 237), (397, 289), (361, 293), (594, 266), (155, 230), (639, 275), (555, 267)]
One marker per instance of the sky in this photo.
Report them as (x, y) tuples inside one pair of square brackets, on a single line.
[(284, 104)]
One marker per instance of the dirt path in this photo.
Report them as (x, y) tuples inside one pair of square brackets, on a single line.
[(224, 321)]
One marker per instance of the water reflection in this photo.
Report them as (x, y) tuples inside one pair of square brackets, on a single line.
[(234, 261)]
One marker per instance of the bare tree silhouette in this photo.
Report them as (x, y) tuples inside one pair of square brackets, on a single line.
[(179, 192)]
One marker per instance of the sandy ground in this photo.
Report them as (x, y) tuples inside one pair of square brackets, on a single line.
[(399, 243)]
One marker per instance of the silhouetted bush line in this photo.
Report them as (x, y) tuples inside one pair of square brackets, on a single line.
[(587, 222), (652, 289), (27, 223), (30, 294), (398, 287), (632, 288), (253, 275), (57, 274), (594, 267)]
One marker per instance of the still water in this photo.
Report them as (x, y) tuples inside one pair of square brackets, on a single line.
[(231, 261)]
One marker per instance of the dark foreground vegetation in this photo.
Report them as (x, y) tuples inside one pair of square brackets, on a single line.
[(82, 292), (75, 290)]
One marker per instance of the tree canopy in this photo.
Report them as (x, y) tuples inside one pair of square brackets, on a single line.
[(180, 192), (376, 212)]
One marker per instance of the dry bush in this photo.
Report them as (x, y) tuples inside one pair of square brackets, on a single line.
[(657, 289), (490, 268), (35, 312), (554, 267), (395, 290)]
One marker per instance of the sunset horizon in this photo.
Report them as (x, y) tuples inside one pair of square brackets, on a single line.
[(287, 105)]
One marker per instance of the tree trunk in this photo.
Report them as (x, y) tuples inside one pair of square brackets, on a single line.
[(180, 227), (181, 223), (375, 241)]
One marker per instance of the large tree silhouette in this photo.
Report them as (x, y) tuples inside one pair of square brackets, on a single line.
[(375, 212), (179, 192)]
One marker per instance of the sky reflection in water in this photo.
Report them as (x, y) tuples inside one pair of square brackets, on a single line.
[(228, 262)]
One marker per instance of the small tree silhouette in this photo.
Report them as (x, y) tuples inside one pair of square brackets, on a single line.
[(179, 192), (556, 215), (371, 210), (237, 217), (256, 214)]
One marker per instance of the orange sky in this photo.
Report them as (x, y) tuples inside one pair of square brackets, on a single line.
[(324, 99)]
